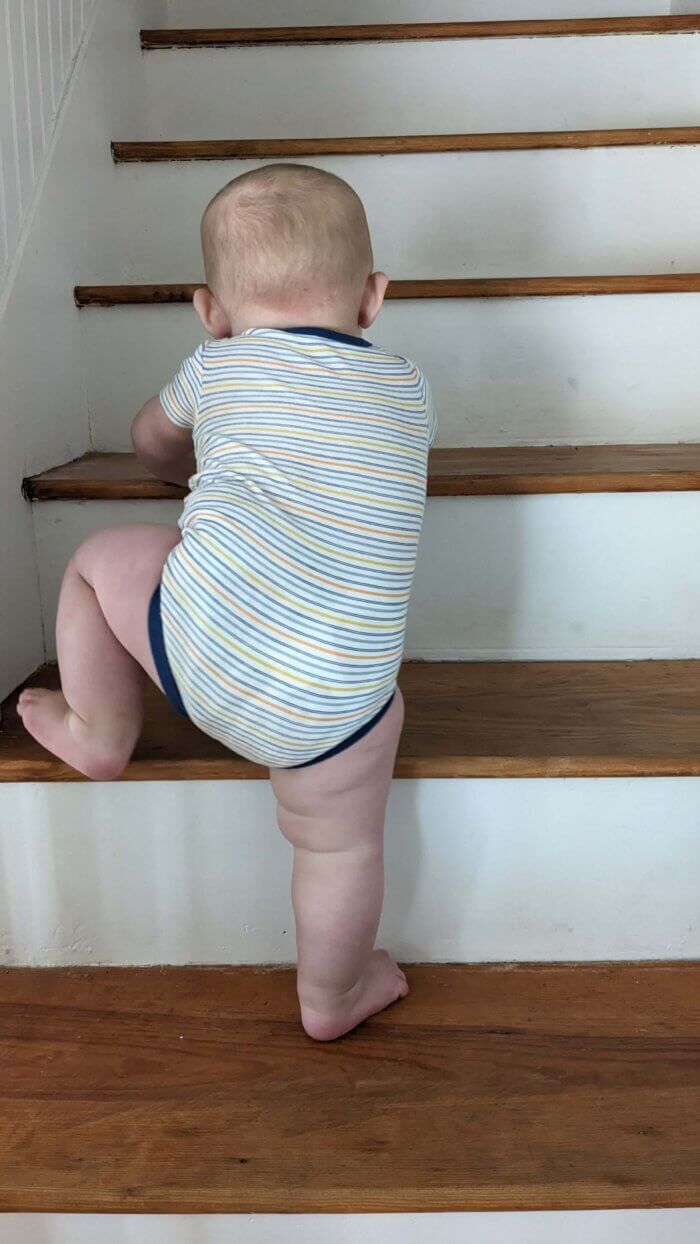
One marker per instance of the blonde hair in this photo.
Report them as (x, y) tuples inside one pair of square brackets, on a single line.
[(286, 234)]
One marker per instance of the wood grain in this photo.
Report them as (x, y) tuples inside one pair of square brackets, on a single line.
[(408, 144), (486, 471), (461, 287), (464, 719), (404, 31), (194, 1090)]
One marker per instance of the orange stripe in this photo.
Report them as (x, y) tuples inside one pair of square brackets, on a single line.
[(311, 574), (338, 463), (311, 412), (315, 368), (277, 630), (325, 518), (254, 695)]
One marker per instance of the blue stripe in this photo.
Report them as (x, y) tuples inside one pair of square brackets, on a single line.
[(284, 607)]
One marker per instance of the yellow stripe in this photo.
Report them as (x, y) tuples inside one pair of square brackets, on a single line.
[(303, 606), (376, 400), (330, 521), (255, 660), (338, 464), (275, 519), (278, 365), (304, 571), (382, 447), (263, 624), (272, 518)]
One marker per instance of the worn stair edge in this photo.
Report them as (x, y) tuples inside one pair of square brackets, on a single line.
[(500, 719), (460, 287), (490, 1087), (522, 470), (152, 152), (396, 32)]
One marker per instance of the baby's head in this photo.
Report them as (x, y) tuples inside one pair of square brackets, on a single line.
[(287, 245)]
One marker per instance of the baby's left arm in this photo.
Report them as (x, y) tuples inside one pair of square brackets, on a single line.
[(162, 446)]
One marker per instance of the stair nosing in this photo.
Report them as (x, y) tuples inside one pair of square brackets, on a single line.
[(465, 719), (165, 293), (284, 36), (447, 475), (159, 151)]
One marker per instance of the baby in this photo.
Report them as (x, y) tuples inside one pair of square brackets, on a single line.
[(274, 618)]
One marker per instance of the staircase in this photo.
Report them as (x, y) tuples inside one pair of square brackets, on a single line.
[(546, 274)]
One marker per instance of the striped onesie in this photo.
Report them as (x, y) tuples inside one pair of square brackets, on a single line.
[(282, 612)]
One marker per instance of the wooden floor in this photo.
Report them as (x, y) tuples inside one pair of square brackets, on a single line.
[(194, 1090), (464, 719), (485, 471)]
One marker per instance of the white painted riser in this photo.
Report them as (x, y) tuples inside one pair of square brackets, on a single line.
[(677, 1226), (500, 84), (486, 870), (306, 12), (565, 577), (522, 213), (504, 371)]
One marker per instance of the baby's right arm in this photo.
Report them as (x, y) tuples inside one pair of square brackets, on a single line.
[(162, 446)]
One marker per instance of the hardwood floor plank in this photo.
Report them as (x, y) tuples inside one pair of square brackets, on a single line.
[(194, 1090)]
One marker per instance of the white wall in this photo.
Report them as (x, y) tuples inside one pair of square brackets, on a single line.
[(39, 41), (43, 408), (307, 12), (621, 1227)]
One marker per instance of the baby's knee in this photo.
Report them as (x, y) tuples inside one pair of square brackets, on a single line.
[(97, 549)]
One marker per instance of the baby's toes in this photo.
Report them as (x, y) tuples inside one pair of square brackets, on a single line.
[(401, 981)]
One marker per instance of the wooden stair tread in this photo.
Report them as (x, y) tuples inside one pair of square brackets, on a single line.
[(396, 32), (460, 287), (464, 719), (407, 144), (492, 1087), (486, 471)]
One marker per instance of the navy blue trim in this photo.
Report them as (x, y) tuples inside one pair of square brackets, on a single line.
[(160, 656), (354, 738), (331, 334)]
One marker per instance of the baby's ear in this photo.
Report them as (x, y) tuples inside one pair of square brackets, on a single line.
[(211, 313), (372, 298)]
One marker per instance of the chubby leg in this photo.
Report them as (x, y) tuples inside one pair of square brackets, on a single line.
[(333, 814), (104, 654)]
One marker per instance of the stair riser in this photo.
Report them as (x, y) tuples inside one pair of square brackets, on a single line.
[(613, 370), (477, 871), (679, 1226), (423, 87), (561, 578), (528, 213)]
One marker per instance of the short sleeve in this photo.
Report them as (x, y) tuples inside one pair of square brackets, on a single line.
[(430, 414), (180, 398)]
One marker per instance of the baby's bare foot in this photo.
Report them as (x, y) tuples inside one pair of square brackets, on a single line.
[(382, 983), (49, 719)]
